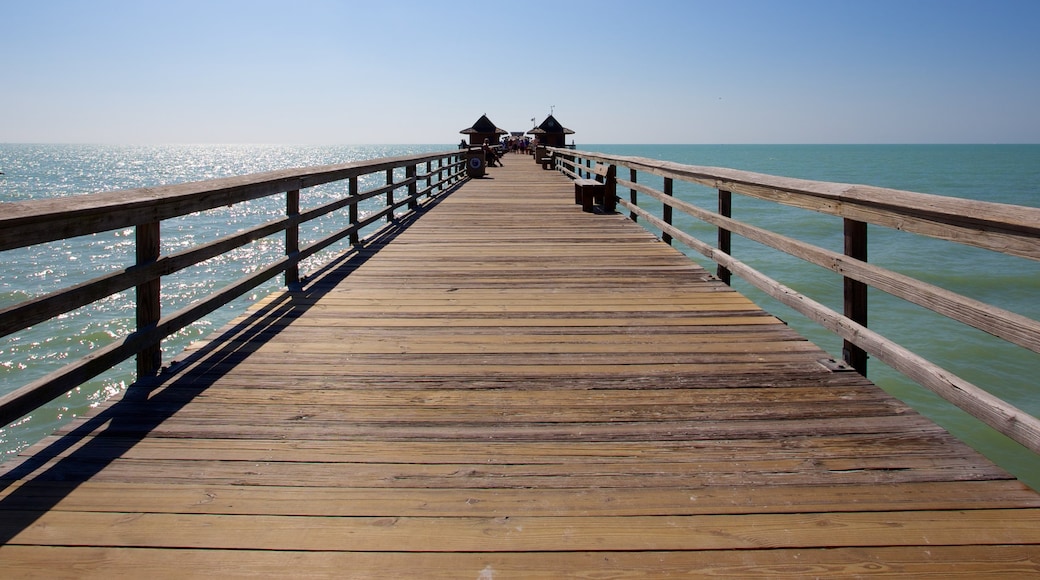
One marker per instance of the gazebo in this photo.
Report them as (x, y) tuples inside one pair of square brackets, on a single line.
[(551, 133), (484, 129)]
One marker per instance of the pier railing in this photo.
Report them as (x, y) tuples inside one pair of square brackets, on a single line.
[(1008, 229), (407, 181)]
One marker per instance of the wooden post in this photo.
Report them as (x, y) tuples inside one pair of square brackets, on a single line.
[(666, 210), (292, 238), (429, 179), (725, 236), (390, 195), (610, 190), (149, 301), (432, 178), (855, 292), (409, 173), (632, 195), (352, 192)]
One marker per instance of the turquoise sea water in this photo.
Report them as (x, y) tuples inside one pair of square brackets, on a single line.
[(998, 173)]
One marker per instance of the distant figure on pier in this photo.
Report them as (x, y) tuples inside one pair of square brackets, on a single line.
[(491, 155)]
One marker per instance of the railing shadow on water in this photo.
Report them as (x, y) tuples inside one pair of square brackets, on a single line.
[(147, 403)]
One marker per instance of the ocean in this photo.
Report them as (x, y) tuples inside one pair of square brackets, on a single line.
[(997, 173)]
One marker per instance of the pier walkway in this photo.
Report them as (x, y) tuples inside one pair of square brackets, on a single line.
[(509, 387)]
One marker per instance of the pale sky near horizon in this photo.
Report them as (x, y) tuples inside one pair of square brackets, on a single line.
[(410, 71)]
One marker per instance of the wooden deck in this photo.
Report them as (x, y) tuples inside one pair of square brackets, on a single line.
[(510, 387)]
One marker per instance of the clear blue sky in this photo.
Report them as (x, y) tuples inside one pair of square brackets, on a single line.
[(615, 71)]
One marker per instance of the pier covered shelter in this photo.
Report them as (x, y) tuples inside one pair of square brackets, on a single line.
[(483, 129), (551, 133)]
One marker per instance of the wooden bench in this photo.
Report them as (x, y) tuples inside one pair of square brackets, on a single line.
[(543, 157), (592, 192), (588, 192)]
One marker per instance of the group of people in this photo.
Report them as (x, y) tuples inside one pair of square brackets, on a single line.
[(493, 154), (518, 144)]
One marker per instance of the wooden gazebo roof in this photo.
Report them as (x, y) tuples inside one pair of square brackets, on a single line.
[(484, 126), (550, 125)]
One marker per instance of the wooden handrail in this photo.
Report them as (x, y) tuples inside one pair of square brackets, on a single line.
[(1008, 229), (24, 224), (1004, 228)]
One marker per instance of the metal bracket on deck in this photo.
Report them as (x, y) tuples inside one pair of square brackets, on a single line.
[(835, 365)]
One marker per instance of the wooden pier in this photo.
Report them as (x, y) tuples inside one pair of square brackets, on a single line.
[(507, 386)]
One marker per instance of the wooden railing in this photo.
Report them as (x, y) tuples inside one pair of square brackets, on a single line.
[(26, 224), (1008, 229)]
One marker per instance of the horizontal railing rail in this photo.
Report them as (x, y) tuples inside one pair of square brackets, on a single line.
[(1008, 229), (26, 224)]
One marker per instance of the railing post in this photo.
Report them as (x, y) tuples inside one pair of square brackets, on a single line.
[(149, 301), (292, 238), (439, 179), (725, 236), (632, 195), (409, 173), (429, 179), (352, 192), (855, 292), (610, 189), (666, 210), (390, 195)]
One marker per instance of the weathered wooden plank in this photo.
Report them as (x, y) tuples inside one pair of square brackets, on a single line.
[(901, 562), (648, 475), (551, 432), (526, 534), (201, 379), (209, 498), (859, 446), (356, 396), (478, 412)]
